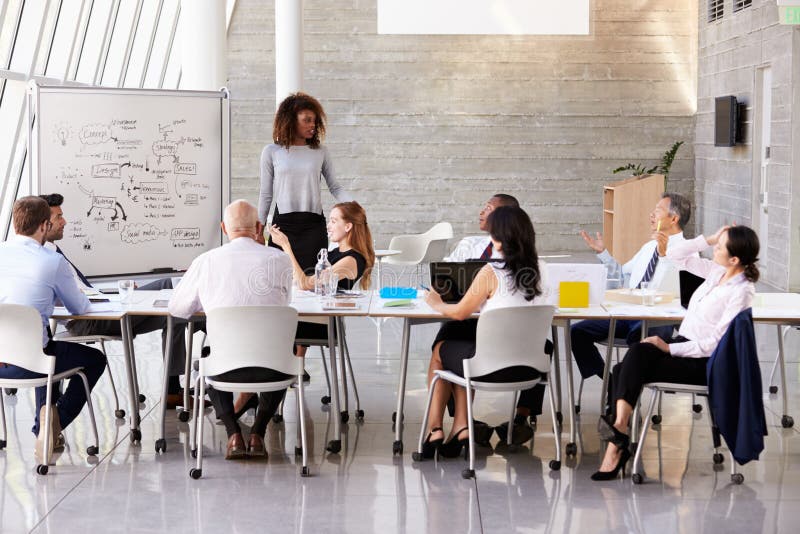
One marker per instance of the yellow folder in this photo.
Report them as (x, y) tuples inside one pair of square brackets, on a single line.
[(573, 295)]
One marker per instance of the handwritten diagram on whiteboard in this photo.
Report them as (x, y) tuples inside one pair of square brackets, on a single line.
[(142, 175)]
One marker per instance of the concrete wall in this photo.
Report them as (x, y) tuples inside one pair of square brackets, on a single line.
[(731, 51), (426, 128)]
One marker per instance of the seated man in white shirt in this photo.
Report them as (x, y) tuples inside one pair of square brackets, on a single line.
[(670, 216), (479, 247), (34, 276), (240, 273), (141, 323)]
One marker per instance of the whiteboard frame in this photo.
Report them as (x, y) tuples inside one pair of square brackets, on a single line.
[(34, 142)]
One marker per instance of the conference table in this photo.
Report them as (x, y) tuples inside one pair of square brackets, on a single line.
[(144, 303)]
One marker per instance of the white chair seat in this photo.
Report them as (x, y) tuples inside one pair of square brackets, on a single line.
[(244, 387), (37, 382), (488, 386)]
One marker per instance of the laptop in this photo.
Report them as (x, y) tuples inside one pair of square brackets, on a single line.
[(688, 284), (451, 279)]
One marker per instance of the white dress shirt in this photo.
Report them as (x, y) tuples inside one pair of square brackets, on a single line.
[(471, 248), (35, 276), (713, 305), (240, 273), (665, 277), (52, 246)]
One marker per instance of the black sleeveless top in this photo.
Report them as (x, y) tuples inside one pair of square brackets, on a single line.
[(361, 264)]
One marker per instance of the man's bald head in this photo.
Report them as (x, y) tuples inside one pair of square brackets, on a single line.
[(240, 219)]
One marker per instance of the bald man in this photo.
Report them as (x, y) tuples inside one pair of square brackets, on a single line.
[(239, 273)]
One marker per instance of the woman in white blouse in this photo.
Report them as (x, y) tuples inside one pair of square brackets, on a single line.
[(516, 281), (728, 289)]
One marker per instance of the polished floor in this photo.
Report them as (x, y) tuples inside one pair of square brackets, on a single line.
[(131, 488)]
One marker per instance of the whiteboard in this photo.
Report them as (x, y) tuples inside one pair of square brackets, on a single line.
[(145, 174)]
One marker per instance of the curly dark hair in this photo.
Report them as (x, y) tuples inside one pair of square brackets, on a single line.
[(284, 129), (512, 227)]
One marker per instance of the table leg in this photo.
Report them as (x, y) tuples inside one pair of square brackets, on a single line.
[(397, 446), (161, 441), (556, 382), (786, 419), (183, 413), (345, 415), (136, 434), (612, 326), (572, 447), (335, 445)]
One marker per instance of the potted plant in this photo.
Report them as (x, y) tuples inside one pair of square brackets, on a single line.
[(663, 168)]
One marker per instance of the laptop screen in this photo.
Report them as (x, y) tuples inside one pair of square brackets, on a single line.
[(451, 279), (689, 283)]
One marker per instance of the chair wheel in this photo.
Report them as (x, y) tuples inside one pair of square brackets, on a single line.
[(92, 450), (555, 465), (161, 445), (468, 473), (334, 446), (194, 453), (571, 449), (345, 416), (637, 478), (2, 444), (718, 458), (119, 414), (142, 398), (136, 435), (277, 418), (298, 451), (773, 389), (195, 473), (577, 408), (787, 421), (360, 415), (183, 416), (325, 400), (305, 471), (737, 478), (10, 392), (416, 456), (656, 419), (41, 469), (397, 448), (697, 408)]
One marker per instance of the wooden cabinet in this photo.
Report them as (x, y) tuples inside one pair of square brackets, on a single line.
[(626, 213)]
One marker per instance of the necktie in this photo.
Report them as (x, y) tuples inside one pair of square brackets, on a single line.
[(78, 271), (487, 254), (651, 268)]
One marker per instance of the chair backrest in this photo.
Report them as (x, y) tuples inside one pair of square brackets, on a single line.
[(21, 339), (511, 336), (252, 336), (419, 248)]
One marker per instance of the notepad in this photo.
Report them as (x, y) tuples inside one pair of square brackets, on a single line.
[(573, 295), (398, 303)]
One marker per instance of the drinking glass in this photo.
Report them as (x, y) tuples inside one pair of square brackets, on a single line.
[(648, 293), (126, 291)]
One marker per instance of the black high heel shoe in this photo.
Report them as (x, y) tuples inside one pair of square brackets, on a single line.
[(452, 448), (431, 448), (252, 402), (622, 442)]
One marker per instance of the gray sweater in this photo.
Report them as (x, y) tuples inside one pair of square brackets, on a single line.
[(292, 176)]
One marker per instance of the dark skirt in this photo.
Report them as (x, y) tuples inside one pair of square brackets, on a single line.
[(307, 234)]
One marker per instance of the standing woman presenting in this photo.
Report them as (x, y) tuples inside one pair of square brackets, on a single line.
[(292, 168)]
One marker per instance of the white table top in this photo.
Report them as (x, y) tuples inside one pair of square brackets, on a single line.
[(383, 252)]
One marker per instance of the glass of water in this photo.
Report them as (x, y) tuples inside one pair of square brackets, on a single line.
[(648, 293), (126, 291)]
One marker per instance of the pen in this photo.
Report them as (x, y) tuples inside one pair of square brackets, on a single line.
[(658, 228), (423, 286)]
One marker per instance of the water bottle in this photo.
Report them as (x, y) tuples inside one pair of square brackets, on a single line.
[(321, 272)]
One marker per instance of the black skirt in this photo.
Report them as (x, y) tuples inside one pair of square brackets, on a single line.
[(307, 234)]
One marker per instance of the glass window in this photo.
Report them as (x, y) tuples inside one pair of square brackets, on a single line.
[(161, 44), (10, 9), (12, 110), (92, 47), (141, 43), (24, 46), (47, 36), (66, 28), (124, 25)]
